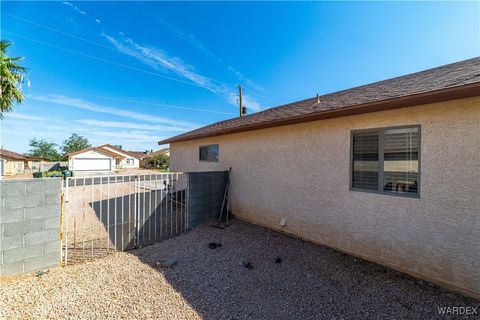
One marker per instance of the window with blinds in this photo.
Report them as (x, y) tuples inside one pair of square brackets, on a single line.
[(209, 153), (386, 160), (365, 160)]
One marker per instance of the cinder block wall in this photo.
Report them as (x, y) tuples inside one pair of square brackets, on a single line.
[(29, 225), (206, 190)]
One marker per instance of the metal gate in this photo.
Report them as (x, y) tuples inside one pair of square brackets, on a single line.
[(105, 214)]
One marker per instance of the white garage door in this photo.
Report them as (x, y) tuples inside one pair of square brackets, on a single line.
[(91, 164)]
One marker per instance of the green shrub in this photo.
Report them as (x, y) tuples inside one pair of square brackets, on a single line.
[(53, 172), (160, 161)]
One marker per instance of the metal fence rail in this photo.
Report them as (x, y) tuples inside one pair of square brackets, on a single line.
[(105, 214)]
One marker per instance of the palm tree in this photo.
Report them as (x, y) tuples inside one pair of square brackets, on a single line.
[(12, 78)]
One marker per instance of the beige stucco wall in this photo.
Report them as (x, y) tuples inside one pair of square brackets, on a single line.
[(12, 167), (301, 173), (90, 154), (123, 163)]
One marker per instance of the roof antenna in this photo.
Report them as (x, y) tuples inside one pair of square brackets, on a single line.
[(318, 98)]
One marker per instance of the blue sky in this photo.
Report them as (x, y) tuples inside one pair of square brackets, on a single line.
[(134, 73)]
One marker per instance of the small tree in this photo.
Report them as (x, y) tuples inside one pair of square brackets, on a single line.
[(44, 149), (160, 161), (75, 143), (12, 78)]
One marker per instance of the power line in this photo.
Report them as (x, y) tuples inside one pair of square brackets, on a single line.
[(149, 103), (121, 65), (259, 94), (126, 66), (105, 47), (59, 31), (88, 41), (101, 59)]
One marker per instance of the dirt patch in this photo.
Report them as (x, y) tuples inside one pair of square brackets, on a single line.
[(286, 278), (19, 176), (139, 171)]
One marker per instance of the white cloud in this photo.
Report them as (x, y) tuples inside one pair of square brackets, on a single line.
[(23, 117), (126, 125), (249, 83), (191, 39), (17, 132), (251, 103), (74, 7), (98, 21), (248, 101), (195, 43), (81, 104), (120, 136), (159, 60)]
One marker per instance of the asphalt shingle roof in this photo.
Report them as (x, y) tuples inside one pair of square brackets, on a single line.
[(455, 75), (12, 155), (155, 153)]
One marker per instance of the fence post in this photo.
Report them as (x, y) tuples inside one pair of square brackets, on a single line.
[(187, 200), (136, 206), (66, 220), (62, 236)]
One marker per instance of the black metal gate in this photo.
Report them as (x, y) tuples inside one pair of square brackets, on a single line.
[(105, 214)]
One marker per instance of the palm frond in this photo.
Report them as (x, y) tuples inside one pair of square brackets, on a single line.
[(12, 76)]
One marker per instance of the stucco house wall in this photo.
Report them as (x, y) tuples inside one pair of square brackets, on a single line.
[(301, 173), (90, 154), (123, 163), (12, 167), (35, 165)]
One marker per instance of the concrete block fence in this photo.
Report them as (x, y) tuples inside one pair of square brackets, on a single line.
[(29, 225)]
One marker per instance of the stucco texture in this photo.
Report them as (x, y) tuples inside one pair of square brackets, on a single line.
[(12, 167), (301, 173)]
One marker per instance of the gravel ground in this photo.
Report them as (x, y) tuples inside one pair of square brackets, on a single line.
[(310, 282)]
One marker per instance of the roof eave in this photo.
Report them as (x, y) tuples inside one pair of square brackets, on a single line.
[(29, 158), (12, 158), (452, 93), (99, 150), (119, 151)]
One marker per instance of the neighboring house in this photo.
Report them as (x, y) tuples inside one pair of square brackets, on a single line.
[(12, 163), (34, 163), (130, 160), (102, 158), (139, 154), (144, 160), (389, 171)]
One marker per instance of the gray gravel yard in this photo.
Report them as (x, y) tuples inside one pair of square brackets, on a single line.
[(310, 282)]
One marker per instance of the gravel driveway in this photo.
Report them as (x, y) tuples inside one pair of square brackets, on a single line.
[(307, 282)]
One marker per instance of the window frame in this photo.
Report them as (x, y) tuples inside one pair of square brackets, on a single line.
[(207, 146), (381, 135)]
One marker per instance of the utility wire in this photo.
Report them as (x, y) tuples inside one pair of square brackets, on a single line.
[(59, 31), (108, 48), (101, 45), (148, 103), (88, 41), (126, 66), (101, 59)]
